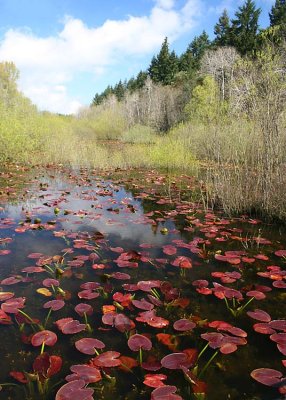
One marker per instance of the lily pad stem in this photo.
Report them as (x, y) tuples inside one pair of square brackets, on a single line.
[(207, 364)]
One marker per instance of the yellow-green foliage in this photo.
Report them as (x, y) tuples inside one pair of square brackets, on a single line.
[(171, 153), (106, 123), (205, 105), (17, 136), (139, 134)]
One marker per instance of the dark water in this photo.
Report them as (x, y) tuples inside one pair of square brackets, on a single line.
[(86, 213)]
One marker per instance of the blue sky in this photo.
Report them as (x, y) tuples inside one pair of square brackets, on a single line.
[(67, 50)]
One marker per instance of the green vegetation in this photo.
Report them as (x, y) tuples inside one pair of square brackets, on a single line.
[(220, 104)]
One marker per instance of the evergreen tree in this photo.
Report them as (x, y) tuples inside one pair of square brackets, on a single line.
[(153, 69), (174, 65), (131, 85), (186, 61), (141, 79), (96, 100), (244, 28), (278, 13), (222, 30), (164, 66), (119, 90), (198, 47)]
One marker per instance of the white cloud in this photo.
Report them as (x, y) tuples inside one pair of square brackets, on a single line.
[(48, 65), (166, 4)]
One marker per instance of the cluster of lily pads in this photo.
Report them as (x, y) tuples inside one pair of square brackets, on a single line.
[(102, 310)]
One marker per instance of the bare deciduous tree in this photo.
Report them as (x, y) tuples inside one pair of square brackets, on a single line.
[(220, 64)]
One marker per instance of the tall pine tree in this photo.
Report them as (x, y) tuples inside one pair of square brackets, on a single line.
[(164, 66), (222, 30), (244, 28), (198, 47), (278, 13)]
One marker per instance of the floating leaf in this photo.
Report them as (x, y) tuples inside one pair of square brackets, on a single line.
[(154, 380), (88, 345), (165, 393), (88, 373), (108, 359), (259, 315), (137, 342), (176, 361), (45, 292), (267, 376), (74, 390), (55, 305), (47, 337), (184, 325)]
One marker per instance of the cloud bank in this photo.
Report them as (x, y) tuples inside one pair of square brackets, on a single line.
[(49, 65)]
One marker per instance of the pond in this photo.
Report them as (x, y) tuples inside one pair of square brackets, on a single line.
[(120, 284)]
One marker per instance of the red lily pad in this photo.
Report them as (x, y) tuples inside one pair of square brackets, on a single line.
[(108, 359), (61, 322), (176, 361), (259, 315), (263, 328), (54, 304), (142, 304), (267, 376), (19, 376), (83, 308), (165, 393), (49, 282), (215, 339), (120, 276), (35, 269), (279, 338), (146, 286), (184, 325), (182, 262), (231, 259), (12, 305), (90, 285), (6, 295), (35, 255), (200, 283), (88, 294), (5, 319), (282, 348), (88, 345), (280, 253), (154, 380), (122, 323), (169, 250), (279, 324), (88, 373), (5, 252), (262, 257), (279, 284), (228, 348), (256, 294), (137, 342), (72, 327), (151, 319), (47, 337), (75, 390), (12, 280)]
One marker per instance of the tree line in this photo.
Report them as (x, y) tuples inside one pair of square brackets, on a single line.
[(242, 33)]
